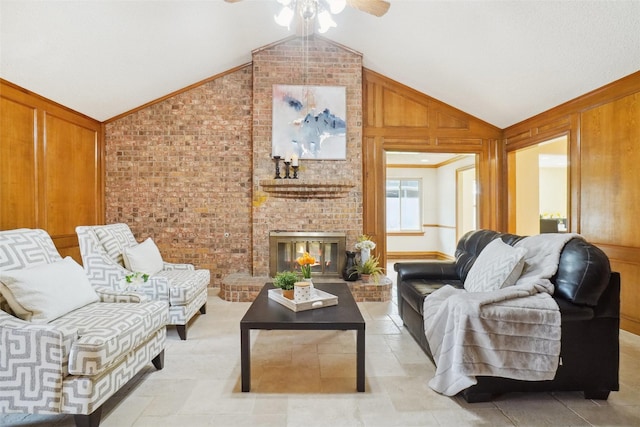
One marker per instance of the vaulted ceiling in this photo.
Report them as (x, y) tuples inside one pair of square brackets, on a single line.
[(501, 61)]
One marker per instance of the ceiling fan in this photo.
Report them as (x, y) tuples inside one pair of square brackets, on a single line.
[(321, 11)]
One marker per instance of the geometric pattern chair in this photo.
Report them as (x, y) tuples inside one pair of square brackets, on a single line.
[(73, 363), (182, 286)]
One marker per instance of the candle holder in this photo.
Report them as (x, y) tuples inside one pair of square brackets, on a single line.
[(277, 160), (295, 172), (286, 170)]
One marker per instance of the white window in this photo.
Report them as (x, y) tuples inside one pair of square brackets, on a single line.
[(404, 199)]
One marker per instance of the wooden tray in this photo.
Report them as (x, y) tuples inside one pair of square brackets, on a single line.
[(320, 299)]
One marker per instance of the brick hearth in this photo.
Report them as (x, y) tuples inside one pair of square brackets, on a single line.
[(245, 288)]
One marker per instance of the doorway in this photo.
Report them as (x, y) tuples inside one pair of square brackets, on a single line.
[(466, 201), (539, 188), (424, 206)]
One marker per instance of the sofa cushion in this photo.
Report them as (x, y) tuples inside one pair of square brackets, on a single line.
[(185, 285), (472, 244), (114, 238), (107, 332), (498, 266), (45, 292), (414, 291), (144, 258)]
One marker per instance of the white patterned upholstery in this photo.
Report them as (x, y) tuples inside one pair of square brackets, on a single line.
[(108, 332), (72, 364), (181, 285)]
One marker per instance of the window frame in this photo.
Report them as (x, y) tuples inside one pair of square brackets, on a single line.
[(420, 198)]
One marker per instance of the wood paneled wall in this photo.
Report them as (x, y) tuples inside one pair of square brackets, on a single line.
[(604, 150), (398, 118), (51, 172)]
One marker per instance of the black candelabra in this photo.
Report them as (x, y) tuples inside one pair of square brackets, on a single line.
[(277, 160), (287, 168)]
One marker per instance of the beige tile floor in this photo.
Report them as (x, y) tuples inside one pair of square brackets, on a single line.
[(307, 378)]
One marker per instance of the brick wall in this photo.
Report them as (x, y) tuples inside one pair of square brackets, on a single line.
[(186, 170), (180, 172)]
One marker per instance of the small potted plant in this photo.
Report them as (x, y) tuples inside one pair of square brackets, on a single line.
[(285, 281), (369, 269)]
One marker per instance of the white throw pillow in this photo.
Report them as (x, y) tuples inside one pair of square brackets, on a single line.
[(498, 266), (144, 258), (43, 293)]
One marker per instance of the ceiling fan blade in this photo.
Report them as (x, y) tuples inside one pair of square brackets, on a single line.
[(232, 1), (374, 7)]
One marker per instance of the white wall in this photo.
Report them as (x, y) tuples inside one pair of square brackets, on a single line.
[(447, 204), (553, 191), (428, 242), (439, 209), (527, 192)]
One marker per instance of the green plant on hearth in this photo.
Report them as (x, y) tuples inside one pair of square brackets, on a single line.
[(285, 280), (370, 267)]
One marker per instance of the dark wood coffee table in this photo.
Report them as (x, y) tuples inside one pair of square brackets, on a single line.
[(265, 313)]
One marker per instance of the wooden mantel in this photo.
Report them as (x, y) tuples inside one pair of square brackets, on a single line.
[(306, 188)]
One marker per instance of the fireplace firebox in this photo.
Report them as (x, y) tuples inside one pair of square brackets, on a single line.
[(328, 248)]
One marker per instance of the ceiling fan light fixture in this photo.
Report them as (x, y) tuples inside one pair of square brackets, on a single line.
[(336, 6), (308, 9), (325, 22), (285, 17)]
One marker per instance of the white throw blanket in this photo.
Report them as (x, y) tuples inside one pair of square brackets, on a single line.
[(512, 332)]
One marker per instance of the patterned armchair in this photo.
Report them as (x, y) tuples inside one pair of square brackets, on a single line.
[(182, 286), (75, 362)]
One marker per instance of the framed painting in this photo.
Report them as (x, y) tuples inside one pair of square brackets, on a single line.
[(309, 122)]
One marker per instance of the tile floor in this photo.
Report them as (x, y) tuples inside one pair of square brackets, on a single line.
[(307, 378)]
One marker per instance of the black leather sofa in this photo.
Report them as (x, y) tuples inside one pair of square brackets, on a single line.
[(586, 291)]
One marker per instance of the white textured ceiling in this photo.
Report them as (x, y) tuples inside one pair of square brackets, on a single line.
[(501, 61)]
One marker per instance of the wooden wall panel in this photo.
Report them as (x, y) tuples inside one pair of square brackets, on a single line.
[(18, 191), (401, 111), (610, 176), (70, 189), (604, 130), (51, 169), (398, 118)]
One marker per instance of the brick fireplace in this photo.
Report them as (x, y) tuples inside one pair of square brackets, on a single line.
[(328, 194)]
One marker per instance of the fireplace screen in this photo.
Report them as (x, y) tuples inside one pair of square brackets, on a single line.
[(328, 248)]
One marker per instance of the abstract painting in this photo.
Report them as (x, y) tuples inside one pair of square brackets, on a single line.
[(309, 122)]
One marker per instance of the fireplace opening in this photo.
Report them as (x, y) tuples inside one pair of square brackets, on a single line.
[(328, 248)]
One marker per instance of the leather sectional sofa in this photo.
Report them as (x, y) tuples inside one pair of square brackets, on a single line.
[(586, 291)]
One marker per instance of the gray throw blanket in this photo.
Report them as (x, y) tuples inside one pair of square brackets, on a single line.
[(512, 332)]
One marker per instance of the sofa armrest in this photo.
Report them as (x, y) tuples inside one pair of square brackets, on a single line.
[(177, 266), (33, 362), (426, 270), (111, 295)]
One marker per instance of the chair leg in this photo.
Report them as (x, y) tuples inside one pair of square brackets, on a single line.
[(158, 361), (91, 420), (182, 331), (203, 309)]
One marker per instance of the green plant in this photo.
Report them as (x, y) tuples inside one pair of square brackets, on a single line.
[(285, 280), (136, 277), (371, 267)]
